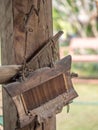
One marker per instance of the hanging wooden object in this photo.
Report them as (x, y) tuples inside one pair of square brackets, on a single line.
[(9, 71), (43, 93)]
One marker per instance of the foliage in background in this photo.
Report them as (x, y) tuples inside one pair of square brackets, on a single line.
[(76, 16), (86, 69)]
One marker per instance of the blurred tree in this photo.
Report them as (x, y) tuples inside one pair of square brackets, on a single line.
[(76, 16)]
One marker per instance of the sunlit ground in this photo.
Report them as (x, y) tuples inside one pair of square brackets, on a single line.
[(83, 113)]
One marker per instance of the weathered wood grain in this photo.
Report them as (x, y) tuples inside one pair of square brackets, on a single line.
[(40, 76), (8, 72), (43, 50), (44, 100), (41, 92), (25, 24), (32, 26)]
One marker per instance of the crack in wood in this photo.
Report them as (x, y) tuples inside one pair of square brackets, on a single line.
[(38, 9), (36, 123), (43, 1), (26, 19), (45, 14), (26, 35), (38, 5), (53, 48), (28, 15), (39, 63), (43, 126)]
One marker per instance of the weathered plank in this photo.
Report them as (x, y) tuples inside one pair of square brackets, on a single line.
[(42, 51), (40, 76), (44, 100), (42, 90), (9, 71)]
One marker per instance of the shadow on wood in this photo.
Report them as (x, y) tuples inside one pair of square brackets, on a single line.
[(43, 93), (7, 72)]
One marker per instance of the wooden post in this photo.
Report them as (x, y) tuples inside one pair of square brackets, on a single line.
[(25, 26)]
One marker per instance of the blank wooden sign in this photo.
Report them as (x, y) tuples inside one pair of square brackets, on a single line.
[(45, 92)]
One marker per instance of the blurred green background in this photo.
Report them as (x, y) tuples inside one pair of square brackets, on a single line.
[(83, 114), (78, 19)]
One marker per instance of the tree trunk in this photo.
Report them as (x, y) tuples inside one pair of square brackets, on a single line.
[(26, 26)]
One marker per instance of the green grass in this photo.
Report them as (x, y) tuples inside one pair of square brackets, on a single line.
[(1, 120), (83, 113), (85, 69)]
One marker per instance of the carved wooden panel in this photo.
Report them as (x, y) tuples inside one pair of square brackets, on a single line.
[(43, 93)]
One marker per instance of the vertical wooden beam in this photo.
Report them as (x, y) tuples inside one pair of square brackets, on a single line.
[(26, 26)]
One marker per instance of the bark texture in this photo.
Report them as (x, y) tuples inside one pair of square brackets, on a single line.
[(26, 26)]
